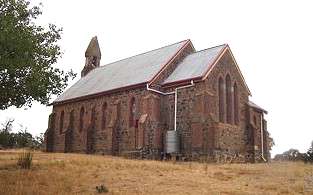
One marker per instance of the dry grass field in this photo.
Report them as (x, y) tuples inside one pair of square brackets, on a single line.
[(80, 174)]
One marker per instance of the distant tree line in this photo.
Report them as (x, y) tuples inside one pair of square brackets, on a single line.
[(295, 155), (21, 139)]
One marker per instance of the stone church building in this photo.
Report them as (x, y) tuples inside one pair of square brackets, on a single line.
[(171, 100)]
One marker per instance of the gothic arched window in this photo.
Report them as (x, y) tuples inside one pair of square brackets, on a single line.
[(104, 118), (221, 100), (61, 121), (132, 112), (81, 119), (229, 103), (236, 108), (71, 123)]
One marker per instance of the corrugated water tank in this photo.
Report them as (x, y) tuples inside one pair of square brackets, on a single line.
[(172, 143)]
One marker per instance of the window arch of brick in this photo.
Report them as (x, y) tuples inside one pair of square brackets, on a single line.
[(236, 103), (229, 103), (104, 115), (61, 122), (132, 112), (81, 119), (221, 100)]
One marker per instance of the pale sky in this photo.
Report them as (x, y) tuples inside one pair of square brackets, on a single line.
[(271, 41)]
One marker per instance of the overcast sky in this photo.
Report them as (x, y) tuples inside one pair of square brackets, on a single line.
[(271, 41)]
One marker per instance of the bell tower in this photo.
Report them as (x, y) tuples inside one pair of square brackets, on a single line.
[(93, 56)]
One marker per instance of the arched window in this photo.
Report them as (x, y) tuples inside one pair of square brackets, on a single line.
[(71, 123), (93, 117), (104, 120), (81, 119), (221, 100), (236, 108), (132, 112), (61, 121), (229, 103)]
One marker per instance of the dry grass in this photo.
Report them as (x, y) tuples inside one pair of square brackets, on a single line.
[(80, 174)]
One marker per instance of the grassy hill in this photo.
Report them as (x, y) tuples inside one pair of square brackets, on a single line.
[(80, 174)]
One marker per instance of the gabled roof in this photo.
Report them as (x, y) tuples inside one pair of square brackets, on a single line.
[(138, 70), (131, 71), (198, 66), (195, 65)]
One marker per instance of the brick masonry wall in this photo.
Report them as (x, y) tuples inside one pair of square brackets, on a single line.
[(257, 122), (230, 138), (197, 120), (117, 118), (212, 135)]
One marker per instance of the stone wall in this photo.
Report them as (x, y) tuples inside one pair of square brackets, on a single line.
[(257, 124), (117, 123), (198, 115), (140, 129)]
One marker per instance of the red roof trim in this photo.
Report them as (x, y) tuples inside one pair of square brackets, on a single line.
[(126, 87), (244, 81), (212, 65), (169, 61), (99, 94), (174, 83), (182, 82), (210, 68)]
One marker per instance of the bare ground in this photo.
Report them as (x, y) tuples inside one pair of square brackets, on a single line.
[(58, 173)]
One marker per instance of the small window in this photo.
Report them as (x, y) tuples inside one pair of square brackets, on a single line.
[(221, 100), (229, 105), (132, 112), (81, 119), (104, 117), (61, 121), (71, 123)]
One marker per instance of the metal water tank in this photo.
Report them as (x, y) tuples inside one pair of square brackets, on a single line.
[(172, 144)]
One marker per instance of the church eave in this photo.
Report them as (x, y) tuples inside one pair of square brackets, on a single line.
[(95, 95)]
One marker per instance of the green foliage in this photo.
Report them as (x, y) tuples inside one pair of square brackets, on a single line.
[(6, 137), (25, 160), (27, 53), (291, 155), (295, 155), (309, 154), (22, 139)]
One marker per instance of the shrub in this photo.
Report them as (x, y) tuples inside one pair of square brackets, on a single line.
[(309, 155), (102, 189), (25, 160)]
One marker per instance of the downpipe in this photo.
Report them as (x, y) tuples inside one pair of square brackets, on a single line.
[(176, 93), (175, 100), (262, 140)]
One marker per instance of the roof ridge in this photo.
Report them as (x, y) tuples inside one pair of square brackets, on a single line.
[(225, 44), (102, 66)]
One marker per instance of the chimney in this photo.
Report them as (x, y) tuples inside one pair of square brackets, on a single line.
[(93, 56)]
